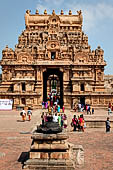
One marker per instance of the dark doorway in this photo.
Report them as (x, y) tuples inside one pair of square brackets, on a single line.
[(23, 87), (53, 84), (23, 101), (82, 100), (82, 87)]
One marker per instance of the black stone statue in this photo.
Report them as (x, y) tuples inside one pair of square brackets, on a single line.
[(49, 127)]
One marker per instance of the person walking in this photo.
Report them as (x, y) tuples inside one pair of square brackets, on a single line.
[(23, 114), (55, 118), (58, 109), (43, 104), (75, 122), (108, 125), (92, 110), (29, 113), (81, 122), (65, 120), (59, 119), (63, 109)]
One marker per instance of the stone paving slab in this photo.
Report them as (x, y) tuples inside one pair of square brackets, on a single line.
[(14, 145)]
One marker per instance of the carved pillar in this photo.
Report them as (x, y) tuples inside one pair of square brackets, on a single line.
[(39, 85), (66, 88)]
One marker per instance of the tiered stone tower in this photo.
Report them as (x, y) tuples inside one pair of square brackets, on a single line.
[(53, 48)]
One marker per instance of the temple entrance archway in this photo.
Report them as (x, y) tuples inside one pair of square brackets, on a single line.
[(82, 100), (53, 85)]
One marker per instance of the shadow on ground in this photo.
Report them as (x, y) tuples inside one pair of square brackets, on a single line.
[(23, 158)]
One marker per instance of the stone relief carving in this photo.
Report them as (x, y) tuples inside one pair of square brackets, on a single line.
[(81, 57), (24, 57)]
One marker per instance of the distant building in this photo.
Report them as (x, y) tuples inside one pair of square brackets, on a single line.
[(53, 56)]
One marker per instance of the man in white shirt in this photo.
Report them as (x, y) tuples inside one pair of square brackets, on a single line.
[(55, 118)]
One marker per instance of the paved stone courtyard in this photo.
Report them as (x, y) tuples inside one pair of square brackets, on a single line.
[(15, 141)]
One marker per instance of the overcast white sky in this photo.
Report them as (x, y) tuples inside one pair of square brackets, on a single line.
[(97, 21)]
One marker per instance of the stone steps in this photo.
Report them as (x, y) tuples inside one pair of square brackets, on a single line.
[(42, 164)]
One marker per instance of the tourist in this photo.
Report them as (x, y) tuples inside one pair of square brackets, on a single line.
[(48, 100), (81, 122), (58, 109), (89, 109), (55, 118), (57, 100), (109, 106), (63, 109), (92, 110), (75, 107), (109, 111), (43, 104), (23, 114), (108, 125), (29, 113), (59, 119), (65, 120), (55, 108), (51, 110), (83, 125), (51, 103), (50, 117), (79, 107), (46, 105), (78, 123), (45, 117), (86, 108), (75, 122)]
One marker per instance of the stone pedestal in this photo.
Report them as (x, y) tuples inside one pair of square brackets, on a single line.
[(49, 152)]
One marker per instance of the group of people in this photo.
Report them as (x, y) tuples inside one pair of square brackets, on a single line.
[(78, 123), (56, 117), (110, 109), (84, 108), (52, 100), (24, 113), (52, 108)]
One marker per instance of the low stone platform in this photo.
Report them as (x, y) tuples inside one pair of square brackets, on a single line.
[(97, 123), (49, 152), (49, 165)]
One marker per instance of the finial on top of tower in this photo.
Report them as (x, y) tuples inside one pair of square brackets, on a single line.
[(80, 15), (70, 12), (79, 12), (45, 12), (53, 12), (62, 13), (37, 12), (28, 11)]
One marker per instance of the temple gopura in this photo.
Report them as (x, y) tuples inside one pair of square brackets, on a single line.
[(53, 56)]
